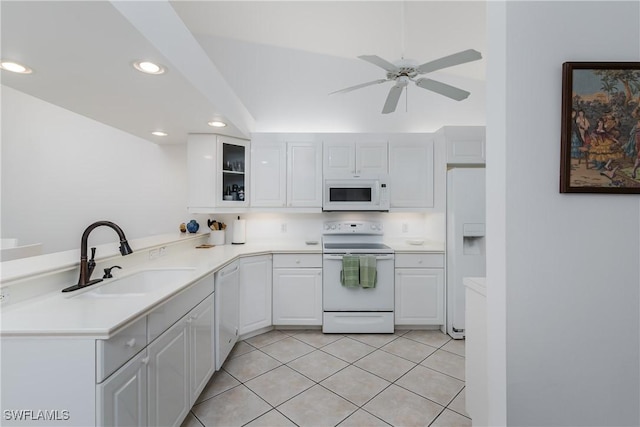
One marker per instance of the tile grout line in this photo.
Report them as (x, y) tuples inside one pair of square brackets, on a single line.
[(454, 398), (349, 363)]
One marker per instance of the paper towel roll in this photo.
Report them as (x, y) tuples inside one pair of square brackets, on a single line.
[(239, 229)]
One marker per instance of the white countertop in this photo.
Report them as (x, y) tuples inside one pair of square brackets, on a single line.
[(70, 315), (478, 284)]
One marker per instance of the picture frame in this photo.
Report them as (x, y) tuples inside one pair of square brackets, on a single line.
[(600, 141)]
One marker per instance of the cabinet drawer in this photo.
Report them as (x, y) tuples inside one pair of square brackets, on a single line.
[(162, 317), (420, 260), (297, 260), (114, 352)]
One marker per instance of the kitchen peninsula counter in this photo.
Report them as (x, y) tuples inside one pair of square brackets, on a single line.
[(73, 315), (58, 314)]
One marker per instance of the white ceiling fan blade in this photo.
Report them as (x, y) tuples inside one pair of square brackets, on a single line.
[(349, 89), (382, 63), (443, 89), (449, 61), (392, 99)]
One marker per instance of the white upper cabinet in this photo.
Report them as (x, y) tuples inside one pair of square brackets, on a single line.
[(304, 177), (286, 174), (269, 174), (343, 158), (233, 172), (218, 172), (371, 158), (202, 152), (466, 145), (411, 174)]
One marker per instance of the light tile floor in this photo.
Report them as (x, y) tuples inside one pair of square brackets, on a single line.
[(307, 378)]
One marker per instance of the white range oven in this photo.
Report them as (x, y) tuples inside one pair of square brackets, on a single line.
[(356, 309)]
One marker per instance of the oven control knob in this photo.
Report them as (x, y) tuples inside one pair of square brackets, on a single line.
[(326, 226)]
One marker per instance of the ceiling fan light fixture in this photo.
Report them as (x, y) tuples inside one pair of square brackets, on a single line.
[(148, 67), (217, 124), (15, 67)]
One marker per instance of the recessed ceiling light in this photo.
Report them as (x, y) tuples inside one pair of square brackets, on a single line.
[(148, 67), (159, 133), (217, 124), (15, 67)]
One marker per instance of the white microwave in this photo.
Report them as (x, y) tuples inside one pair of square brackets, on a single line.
[(364, 193)]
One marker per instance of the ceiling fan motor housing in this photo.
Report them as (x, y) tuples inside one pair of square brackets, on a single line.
[(409, 72)]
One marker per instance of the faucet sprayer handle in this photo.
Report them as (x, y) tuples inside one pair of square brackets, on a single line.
[(92, 263), (107, 272)]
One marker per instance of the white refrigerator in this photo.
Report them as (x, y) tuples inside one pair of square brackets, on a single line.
[(466, 254)]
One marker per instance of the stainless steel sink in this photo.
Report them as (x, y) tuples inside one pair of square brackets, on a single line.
[(139, 284)]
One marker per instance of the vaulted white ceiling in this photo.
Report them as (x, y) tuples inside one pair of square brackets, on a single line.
[(263, 66)]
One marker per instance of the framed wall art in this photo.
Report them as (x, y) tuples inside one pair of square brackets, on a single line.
[(600, 127)]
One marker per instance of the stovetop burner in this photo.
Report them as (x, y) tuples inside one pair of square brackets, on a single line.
[(354, 237)]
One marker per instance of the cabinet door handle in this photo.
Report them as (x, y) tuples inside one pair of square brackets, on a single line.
[(131, 343), (225, 273), (145, 360), (420, 262), (297, 261)]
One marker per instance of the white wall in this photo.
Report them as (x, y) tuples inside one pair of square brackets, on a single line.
[(62, 171), (269, 226), (569, 267)]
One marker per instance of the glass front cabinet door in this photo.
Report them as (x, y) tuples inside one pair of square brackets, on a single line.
[(218, 172)]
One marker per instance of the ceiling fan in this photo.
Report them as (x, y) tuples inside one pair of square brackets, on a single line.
[(405, 71)]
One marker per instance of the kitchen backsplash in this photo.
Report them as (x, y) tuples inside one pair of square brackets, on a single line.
[(282, 226)]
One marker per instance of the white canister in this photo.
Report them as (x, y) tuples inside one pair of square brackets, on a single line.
[(216, 237)]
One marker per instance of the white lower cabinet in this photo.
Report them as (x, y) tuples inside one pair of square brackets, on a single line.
[(227, 306), (419, 293), (158, 386), (168, 376), (255, 293), (201, 339), (122, 398), (297, 289)]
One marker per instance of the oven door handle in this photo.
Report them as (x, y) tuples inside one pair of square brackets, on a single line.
[(338, 257)]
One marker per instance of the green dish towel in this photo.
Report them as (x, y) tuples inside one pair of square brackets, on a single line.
[(350, 274), (368, 272)]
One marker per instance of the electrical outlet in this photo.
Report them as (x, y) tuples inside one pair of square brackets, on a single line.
[(154, 253), (405, 227), (283, 227)]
